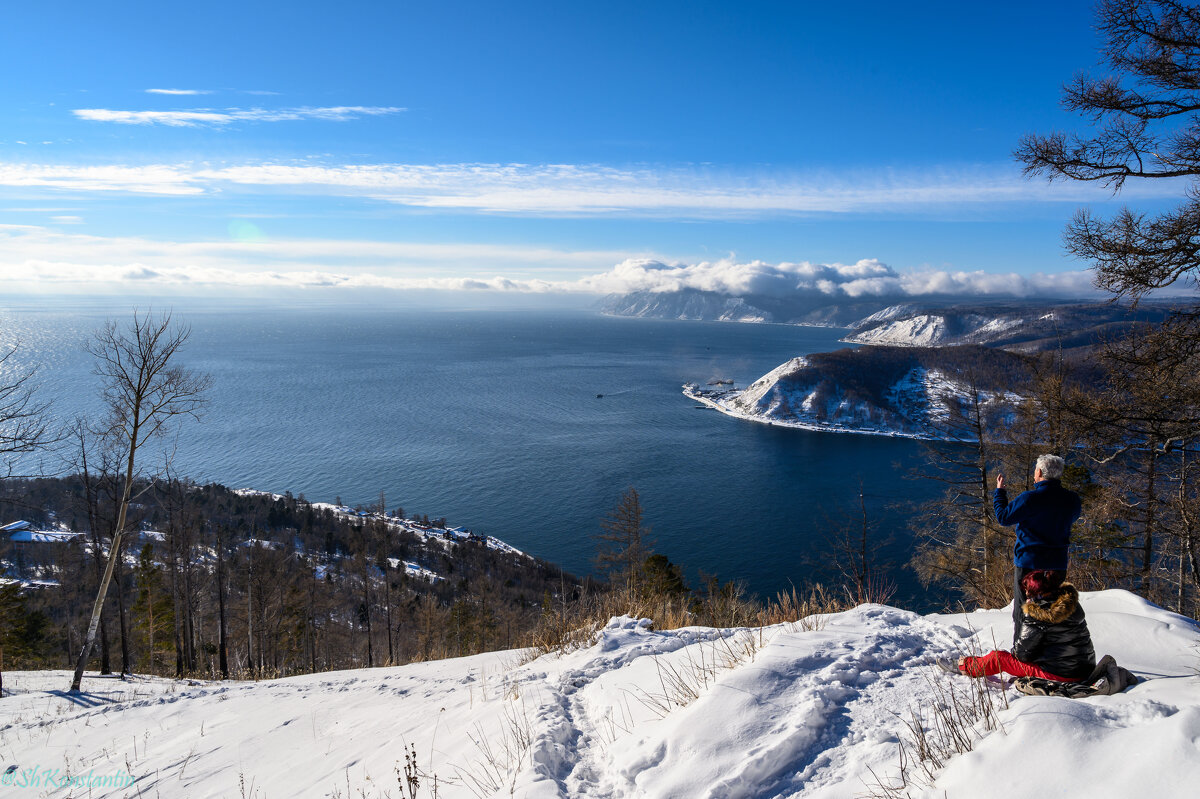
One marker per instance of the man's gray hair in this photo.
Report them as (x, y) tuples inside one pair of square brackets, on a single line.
[(1051, 465)]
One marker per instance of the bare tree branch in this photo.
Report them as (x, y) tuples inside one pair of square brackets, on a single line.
[(145, 392), (24, 418)]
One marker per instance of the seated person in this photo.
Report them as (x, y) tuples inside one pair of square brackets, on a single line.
[(1054, 644)]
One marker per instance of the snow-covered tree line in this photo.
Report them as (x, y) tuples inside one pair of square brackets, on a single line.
[(216, 582)]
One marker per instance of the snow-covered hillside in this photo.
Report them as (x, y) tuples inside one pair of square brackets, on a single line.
[(898, 326), (1015, 324), (718, 307), (1025, 326), (815, 709), (794, 395)]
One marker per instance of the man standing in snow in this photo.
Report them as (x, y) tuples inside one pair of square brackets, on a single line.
[(1043, 517)]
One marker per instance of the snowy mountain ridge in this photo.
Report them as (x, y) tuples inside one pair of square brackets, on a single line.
[(817, 708), (1024, 325), (898, 326), (711, 306), (1020, 326)]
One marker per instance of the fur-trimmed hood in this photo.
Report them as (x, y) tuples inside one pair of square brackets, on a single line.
[(1054, 607)]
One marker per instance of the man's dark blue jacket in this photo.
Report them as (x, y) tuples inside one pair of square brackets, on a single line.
[(1043, 518)]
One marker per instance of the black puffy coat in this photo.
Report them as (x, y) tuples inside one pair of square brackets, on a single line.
[(1054, 635)]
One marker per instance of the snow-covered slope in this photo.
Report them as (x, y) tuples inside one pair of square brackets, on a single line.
[(805, 710), (688, 305), (717, 307), (899, 327), (794, 395), (1022, 326)]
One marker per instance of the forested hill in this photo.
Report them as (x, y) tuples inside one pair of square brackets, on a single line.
[(921, 391), (713, 306), (1023, 325), (296, 586), (1018, 326)]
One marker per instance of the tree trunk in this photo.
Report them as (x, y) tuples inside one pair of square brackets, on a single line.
[(189, 626), (222, 641), (1151, 520), (113, 554), (250, 613), (105, 649), (387, 593), (122, 617)]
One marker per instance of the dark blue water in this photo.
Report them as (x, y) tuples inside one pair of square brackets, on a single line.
[(491, 419)]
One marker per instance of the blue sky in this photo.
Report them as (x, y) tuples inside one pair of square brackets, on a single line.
[(583, 147)]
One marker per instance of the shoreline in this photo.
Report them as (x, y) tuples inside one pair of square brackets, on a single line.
[(699, 395)]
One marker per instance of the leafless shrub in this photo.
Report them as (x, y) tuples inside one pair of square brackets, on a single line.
[(500, 756), (961, 712), (805, 612), (683, 682)]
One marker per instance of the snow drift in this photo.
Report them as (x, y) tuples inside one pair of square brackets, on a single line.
[(802, 710)]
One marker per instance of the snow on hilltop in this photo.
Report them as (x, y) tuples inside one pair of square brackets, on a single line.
[(427, 533), (806, 710), (870, 390), (892, 327)]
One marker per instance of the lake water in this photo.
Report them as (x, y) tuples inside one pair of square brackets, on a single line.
[(490, 418)]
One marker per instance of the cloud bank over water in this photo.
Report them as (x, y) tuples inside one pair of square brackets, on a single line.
[(863, 279), (44, 258)]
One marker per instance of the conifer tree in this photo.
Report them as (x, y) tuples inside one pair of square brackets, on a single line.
[(623, 543)]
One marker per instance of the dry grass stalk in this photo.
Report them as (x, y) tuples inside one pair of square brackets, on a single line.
[(962, 712)]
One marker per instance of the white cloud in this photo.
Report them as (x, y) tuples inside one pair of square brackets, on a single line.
[(67, 219), (571, 189), (865, 278), (38, 255), (152, 179), (204, 116), (41, 256), (178, 91)]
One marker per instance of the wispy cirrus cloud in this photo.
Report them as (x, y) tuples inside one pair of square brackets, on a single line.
[(204, 116), (585, 189), (179, 91)]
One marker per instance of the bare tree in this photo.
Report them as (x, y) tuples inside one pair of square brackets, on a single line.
[(88, 448), (145, 392), (24, 425), (1145, 118), (959, 542)]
